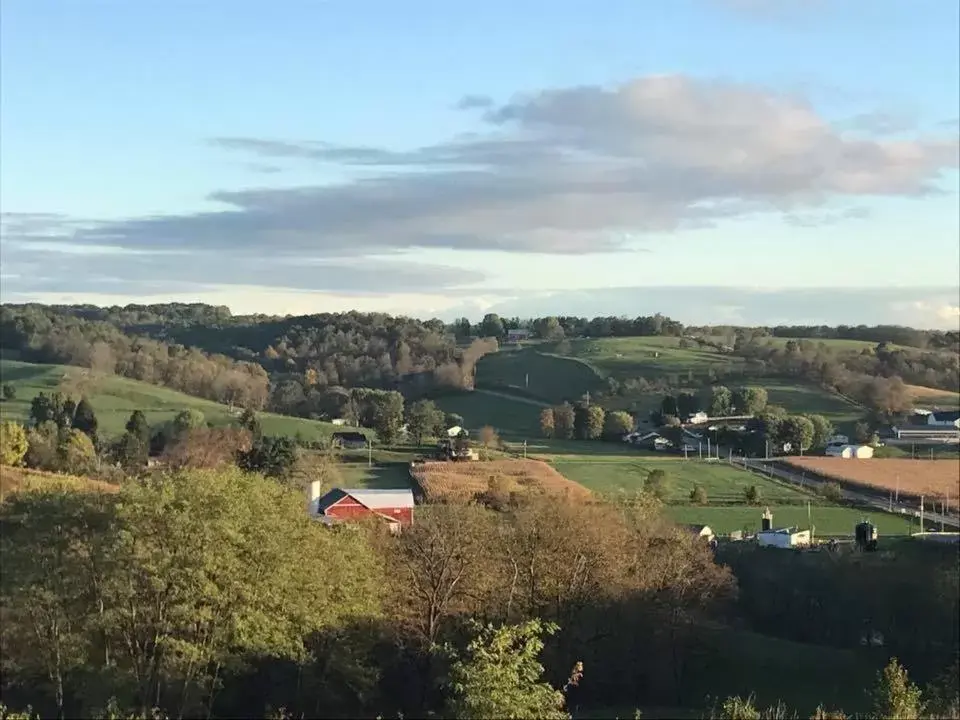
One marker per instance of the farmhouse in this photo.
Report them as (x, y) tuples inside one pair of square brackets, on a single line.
[(349, 440), (518, 335), (944, 419), (394, 506), (697, 418), (455, 431), (849, 451)]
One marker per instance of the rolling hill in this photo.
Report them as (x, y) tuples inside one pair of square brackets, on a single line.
[(587, 365), (114, 398)]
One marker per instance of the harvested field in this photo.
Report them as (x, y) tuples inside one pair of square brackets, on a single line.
[(462, 481), (933, 478), (14, 479), (919, 393)]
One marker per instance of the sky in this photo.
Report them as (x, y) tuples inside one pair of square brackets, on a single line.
[(719, 161)]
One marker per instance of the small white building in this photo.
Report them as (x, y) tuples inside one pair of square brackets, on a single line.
[(338, 421), (860, 452), (698, 417), (784, 538), (518, 335), (455, 431)]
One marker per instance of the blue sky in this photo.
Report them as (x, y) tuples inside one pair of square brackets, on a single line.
[(528, 158)]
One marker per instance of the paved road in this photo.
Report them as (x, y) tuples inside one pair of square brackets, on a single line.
[(951, 521)]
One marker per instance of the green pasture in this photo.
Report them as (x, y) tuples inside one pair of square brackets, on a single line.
[(723, 483), (828, 520)]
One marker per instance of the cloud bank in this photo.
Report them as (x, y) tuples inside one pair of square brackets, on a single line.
[(564, 171)]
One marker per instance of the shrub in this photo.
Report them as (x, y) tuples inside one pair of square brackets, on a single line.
[(698, 495), (657, 484), (752, 495), (831, 491)]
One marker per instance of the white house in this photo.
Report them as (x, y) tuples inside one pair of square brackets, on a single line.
[(783, 538), (455, 431), (698, 417), (944, 419), (338, 421), (861, 452), (518, 335)]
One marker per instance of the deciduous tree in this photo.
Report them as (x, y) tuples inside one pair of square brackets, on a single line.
[(563, 419), (719, 401), (617, 424), (500, 675), (547, 427), (13, 443), (85, 419)]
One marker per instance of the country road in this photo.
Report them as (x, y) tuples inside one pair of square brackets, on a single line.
[(508, 396), (859, 498)]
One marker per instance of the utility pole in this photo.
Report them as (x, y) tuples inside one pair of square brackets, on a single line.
[(700, 449), (921, 513), (708, 446), (898, 489), (524, 449), (369, 452)]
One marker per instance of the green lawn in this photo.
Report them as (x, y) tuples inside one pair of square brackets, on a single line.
[(114, 398), (723, 483), (510, 417), (827, 519)]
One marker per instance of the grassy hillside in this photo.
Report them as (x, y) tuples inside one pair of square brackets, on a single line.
[(13, 479), (556, 378), (114, 398), (651, 357), (511, 417), (550, 377)]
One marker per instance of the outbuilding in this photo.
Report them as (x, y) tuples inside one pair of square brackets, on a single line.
[(849, 451)]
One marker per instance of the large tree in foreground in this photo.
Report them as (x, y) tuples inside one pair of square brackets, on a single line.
[(500, 675)]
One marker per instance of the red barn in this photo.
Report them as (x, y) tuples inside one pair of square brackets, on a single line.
[(394, 506)]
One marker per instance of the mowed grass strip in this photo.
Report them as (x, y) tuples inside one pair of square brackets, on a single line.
[(828, 520), (723, 483), (460, 482), (114, 398)]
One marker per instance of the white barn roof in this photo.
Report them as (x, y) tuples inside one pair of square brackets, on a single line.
[(378, 499)]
